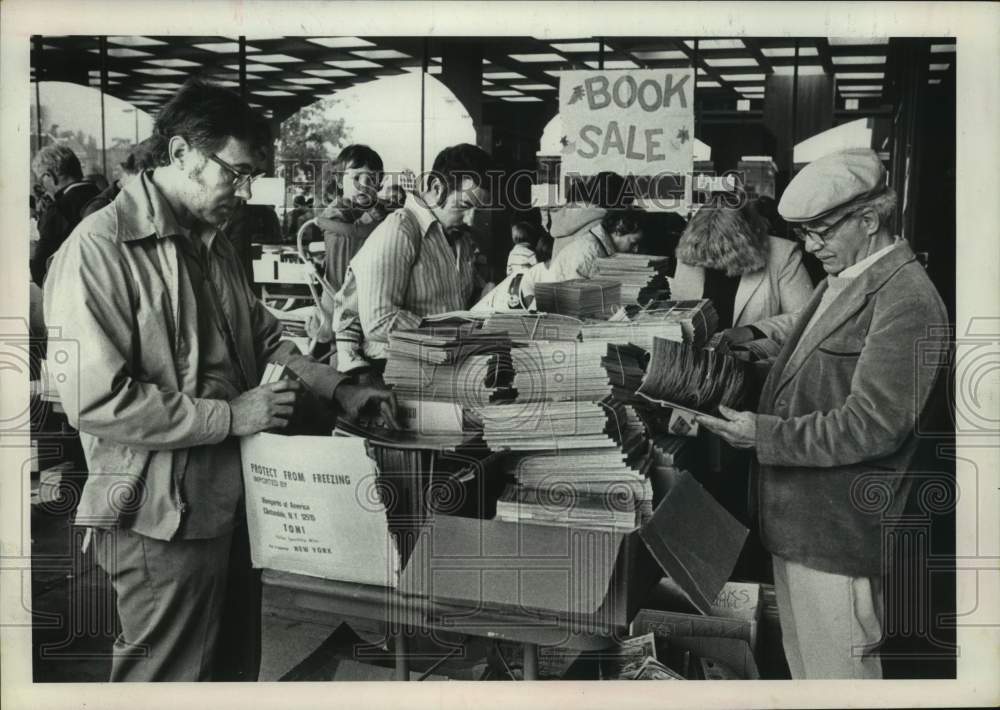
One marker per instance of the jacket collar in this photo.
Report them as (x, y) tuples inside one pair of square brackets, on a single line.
[(604, 239), (425, 218), (142, 211)]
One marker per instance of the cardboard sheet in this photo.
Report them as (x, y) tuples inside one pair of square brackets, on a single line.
[(313, 508)]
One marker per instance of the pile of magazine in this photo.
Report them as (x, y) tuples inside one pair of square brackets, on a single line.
[(643, 277), (680, 374), (575, 463), (459, 364), (697, 319), (580, 298)]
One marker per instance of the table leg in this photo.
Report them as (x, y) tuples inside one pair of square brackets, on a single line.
[(402, 662), (531, 661)]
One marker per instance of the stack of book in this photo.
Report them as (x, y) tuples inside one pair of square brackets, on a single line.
[(472, 383), (571, 465), (634, 331), (698, 319), (591, 471), (458, 364), (669, 456), (581, 298), (569, 506), (440, 345), (629, 431), (643, 277), (555, 371), (527, 327), (683, 375), (625, 366), (547, 426)]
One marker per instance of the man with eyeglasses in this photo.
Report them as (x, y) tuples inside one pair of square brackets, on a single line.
[(172, 345), (418, 262), (834, 428)]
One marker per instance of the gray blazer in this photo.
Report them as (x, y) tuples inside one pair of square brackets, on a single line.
[(837, 415)]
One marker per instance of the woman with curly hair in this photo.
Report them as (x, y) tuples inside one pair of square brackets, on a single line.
[(727, 255)]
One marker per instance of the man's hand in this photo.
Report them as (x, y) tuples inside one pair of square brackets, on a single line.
[(739, 429), (735, 336), (265, 407), (355, 400)]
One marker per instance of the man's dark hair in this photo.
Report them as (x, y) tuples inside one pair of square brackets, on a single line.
[(458, 162), (544, 247), (358, 156), (141, 157), (607, 190), (206, 115), (622, 221), (525, 232)]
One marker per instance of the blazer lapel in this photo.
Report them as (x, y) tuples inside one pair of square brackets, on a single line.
[(749, 283), (850, 301), (777, 374), (843, 307)]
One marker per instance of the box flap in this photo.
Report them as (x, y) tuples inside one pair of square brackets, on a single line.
[(694, 540), (494, 563)]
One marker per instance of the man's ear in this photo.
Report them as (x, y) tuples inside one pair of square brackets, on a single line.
[(177, 150), (871, 221), (437, 189)]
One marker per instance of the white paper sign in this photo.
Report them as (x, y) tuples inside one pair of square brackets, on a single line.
[(313, 508), (632, 122)]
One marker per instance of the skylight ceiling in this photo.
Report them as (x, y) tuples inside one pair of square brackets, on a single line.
[(285, 73)]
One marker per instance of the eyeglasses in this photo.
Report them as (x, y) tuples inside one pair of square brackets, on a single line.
[(820, 235), (240, 178)]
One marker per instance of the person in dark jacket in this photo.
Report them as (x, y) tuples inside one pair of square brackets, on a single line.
[(141, 158), (347, 222), (353, 215), (58, 170)]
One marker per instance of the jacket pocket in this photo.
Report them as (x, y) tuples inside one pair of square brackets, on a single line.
[(839, 353), (847, 344)]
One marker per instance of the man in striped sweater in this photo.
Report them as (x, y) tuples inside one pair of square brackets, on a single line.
[(416, 263)]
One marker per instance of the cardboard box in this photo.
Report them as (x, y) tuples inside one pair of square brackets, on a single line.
[(734, 613), (579, 573), (344, 508), (598, 578)]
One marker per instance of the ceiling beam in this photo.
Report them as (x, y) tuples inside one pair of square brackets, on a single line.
[(755, 52), (823, 49), (698, 59)]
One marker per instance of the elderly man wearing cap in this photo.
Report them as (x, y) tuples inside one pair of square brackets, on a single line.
[(838, 412)]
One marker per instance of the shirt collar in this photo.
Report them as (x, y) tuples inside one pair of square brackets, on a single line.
[(145, 212), (852, 272), (425, 218)]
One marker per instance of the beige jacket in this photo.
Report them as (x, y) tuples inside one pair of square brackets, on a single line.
[(118, 296), (783, 287)]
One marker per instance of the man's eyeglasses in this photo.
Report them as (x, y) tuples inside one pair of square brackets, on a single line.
[(820, 235), (240, 178)]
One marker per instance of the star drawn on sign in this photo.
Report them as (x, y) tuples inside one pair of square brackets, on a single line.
[(683, 135), (577, 94), (568, 146)]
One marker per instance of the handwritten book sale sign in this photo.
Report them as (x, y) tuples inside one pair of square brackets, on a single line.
[(632, 122)]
